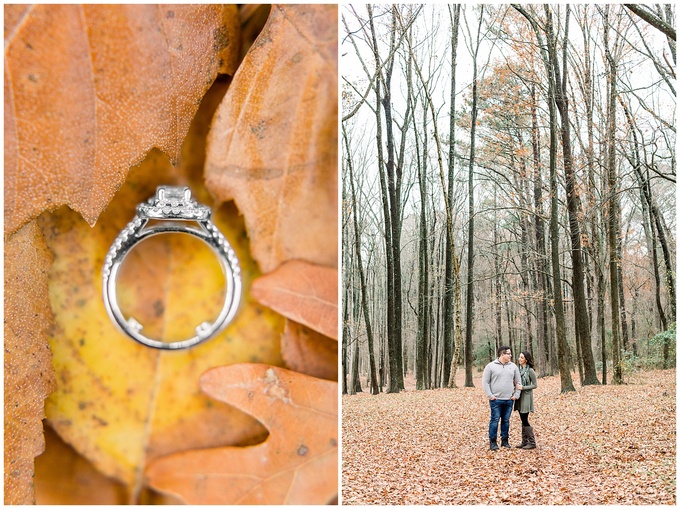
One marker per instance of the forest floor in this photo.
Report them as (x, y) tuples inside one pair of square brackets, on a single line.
[(598, 445)]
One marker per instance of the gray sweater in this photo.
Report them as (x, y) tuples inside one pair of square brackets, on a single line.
[(500, 379)]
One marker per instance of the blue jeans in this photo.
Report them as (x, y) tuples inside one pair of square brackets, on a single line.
[(501, 409)]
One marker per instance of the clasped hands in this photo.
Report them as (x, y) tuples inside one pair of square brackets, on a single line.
[(518, 387)]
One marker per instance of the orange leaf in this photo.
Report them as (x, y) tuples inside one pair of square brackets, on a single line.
[(305, 293), (273, 144), (309, 352), (297, 464), (29, 375), (86, 95)]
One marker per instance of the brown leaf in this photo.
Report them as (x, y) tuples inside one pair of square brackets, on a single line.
[(298, 462), (273, 144), (305, 293), (29, 375), (309, 352), (87, 90), (62, 476)]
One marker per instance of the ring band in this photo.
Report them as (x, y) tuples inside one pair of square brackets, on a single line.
[(175, 207)]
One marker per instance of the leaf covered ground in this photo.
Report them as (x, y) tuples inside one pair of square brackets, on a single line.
[(599, 445)]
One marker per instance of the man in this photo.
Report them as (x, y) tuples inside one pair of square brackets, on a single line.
[(502, 384)]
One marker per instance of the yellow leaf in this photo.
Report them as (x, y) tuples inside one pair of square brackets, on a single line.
[(120, 403)]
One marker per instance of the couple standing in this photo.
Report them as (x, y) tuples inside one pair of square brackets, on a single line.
[(507, 386)]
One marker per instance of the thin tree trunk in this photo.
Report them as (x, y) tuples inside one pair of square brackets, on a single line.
[(424, 265), (560, 332), (373, 382), (539, 230), (648, 217), (470, 294), (345, 336), (622, 299), (613, 208), (497, 274), (449, 282)]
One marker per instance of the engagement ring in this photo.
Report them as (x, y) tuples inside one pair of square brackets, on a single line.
[(175, 210)]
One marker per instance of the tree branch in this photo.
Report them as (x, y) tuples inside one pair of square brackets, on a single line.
[(652, 19)]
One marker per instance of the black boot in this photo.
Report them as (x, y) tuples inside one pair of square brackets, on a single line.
[(504, 442), (493, 444)]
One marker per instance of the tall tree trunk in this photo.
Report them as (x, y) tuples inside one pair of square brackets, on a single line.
[(613, 208), (573, 201), (449, 283), (594, 247), (560, 331), (470, 294), (395, 376), (539, 230), (424, 266)]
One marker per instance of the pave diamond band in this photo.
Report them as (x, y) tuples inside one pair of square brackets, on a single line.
[(175, 207)]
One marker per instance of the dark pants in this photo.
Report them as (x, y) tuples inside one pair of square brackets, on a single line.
[(501, 409), (525, 418)]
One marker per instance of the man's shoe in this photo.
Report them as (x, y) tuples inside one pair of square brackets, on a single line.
[(531, 439), (524, 438), (504, 442), (493, 444)]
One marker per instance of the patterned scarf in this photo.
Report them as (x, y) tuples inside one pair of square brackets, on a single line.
[(524, 374)]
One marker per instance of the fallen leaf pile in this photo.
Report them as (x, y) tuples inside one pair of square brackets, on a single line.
[(600, 445), (102, 105)]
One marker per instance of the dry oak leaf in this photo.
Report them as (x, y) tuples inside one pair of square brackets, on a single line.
[(29, 376), (297, 464), (273, 143), (309, 352), (119, 403), (90, 89), (303, 292)]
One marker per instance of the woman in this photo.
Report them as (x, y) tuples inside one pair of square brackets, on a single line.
[(525, 403)]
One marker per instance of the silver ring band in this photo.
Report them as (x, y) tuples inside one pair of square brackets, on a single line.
[(175, 207)]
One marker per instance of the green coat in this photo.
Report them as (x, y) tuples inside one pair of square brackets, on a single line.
[(525, 403)]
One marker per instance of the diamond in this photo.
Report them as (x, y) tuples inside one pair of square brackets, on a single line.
[(173, 202)]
